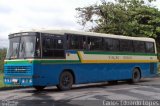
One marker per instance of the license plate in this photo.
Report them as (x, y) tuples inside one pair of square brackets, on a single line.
[(15, 80)]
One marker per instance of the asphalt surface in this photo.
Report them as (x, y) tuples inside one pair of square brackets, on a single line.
[(97, 94)]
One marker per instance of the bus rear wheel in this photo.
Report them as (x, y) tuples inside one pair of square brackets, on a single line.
[(136, 76), (39, 88), (65, 81)]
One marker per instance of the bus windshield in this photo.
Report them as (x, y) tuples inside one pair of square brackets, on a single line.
[(23, 47), (27, 47)]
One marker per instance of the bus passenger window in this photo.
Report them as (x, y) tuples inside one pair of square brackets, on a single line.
[(47, 43), (149, 47), (94, 43), (53, 47), (111, 44), (73, 42), (139, 46), (126, 46), (47, 47), (77, 42), (58, 43)]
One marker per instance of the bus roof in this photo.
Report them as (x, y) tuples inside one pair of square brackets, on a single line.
[(62, 32)]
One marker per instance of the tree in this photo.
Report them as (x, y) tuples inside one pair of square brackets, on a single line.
[(2, 57), (122, 17)]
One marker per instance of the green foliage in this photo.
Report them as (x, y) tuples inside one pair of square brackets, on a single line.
[(1, 81), (122, 17), (2, 57)]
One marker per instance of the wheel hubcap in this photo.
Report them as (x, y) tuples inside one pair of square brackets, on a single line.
[(136, 75), (66, 80)]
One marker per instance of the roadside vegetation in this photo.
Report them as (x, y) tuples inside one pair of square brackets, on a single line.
[(2, 57), (1, 80)]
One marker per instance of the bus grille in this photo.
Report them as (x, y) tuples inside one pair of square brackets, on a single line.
[(17, 69)]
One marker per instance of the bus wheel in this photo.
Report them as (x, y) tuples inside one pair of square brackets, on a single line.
[(39, 88), (136, 76), (65, 81)]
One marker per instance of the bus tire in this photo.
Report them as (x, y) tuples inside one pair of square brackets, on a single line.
[(39, 88), (136, 75), (65, 81)]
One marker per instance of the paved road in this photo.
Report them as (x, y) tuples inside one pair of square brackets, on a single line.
[(83, 95)]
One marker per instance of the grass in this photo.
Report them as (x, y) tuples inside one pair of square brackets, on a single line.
[(1, 80), (2, 85)]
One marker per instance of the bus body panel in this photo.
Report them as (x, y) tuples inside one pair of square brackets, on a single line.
[(48, 74), (88, 73)]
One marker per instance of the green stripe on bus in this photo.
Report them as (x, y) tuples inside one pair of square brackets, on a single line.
[(119, 53), (17, 62), (55, 61), (41, 61)]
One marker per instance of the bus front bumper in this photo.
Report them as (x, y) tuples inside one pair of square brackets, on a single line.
[(21, 81)]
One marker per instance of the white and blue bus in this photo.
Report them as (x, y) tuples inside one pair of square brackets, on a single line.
[(62, 58)]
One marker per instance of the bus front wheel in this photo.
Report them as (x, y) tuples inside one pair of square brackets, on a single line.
[(39, 88), (65, 81), (136, 75)]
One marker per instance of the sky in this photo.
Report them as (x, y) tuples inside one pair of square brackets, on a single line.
[(18, 15)]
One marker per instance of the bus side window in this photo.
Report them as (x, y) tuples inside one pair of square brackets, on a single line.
[(139, 46), (47, 43), (150, 47), (58, 43), (108, 44), (111, 44), (126, 45), (82, 42), (47, 47), (76, 42), (95, 43), (58, 47), (73, 42)]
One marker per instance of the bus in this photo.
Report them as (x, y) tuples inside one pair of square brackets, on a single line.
[(61, 58)]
